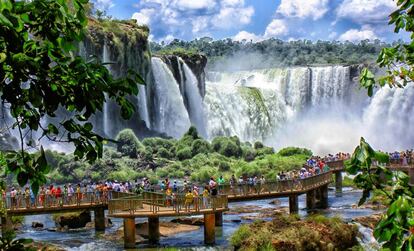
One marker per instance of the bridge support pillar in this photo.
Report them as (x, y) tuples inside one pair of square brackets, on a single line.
[(411, 174), (6, 224), (153, 230), (293, 204), (129, 232), (218, 218), (99, 219), (338, 183), (323, 197), (209, 229), (310, 199)]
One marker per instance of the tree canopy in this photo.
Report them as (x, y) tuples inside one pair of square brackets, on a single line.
[(41, 74), (395, 229)]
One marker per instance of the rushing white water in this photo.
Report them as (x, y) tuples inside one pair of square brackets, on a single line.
[(105, 113), (195, 108), (316, 107), (143, 105), (172, 116)]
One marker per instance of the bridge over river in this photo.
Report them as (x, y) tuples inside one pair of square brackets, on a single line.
[(154, 205)]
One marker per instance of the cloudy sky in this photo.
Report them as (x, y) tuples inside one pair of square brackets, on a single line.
[(342, 20)]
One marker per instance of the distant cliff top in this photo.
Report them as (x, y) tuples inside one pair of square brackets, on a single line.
[(118, 28)]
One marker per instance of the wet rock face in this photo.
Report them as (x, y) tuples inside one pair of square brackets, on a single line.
[(73, 220)]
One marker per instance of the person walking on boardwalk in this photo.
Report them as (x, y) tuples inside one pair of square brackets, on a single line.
[(27, 197), (213, 186), (78, 194), (206, 194), (13, 198), (196, 198), (188, 200), (220, 182)]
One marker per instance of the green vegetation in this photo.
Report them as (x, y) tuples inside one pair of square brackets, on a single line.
[(190, 156), (395, 230), (302, 52), (287, 232), (43, 75)]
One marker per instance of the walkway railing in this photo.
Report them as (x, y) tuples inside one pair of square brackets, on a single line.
[(154, 203), (49, 201), (282, 186)]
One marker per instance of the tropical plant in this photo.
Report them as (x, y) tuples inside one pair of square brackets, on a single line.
[(395, 229), (40, 74)]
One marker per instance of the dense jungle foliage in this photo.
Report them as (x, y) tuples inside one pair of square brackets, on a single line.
[(190, 156), (274, 52)]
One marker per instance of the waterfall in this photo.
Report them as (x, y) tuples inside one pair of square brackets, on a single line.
[(172, 116), (195, 101), (106, 109), (142, 105)]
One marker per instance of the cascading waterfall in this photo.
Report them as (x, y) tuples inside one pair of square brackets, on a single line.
[(316, 107), (171, 115), (106, 109), (196, 108)]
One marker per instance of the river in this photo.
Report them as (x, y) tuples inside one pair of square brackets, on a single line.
[(89, 240)]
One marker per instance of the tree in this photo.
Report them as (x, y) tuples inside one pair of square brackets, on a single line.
[(395, 231), (40, 74), (127, 143)]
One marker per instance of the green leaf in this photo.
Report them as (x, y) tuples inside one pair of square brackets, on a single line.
[(22, 178)]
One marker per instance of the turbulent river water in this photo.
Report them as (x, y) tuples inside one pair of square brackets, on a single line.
[(89, 240)]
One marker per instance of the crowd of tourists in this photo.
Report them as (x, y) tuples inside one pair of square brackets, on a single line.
[(101, 192), (404, 157)]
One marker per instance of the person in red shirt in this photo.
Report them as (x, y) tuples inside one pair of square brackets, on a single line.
[(58, 195)]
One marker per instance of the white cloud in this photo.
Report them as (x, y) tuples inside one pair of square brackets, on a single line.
[(366, 11), (192, 18), (230, 17), (244, 35), (195, 5), (314, 9), (276, 28), (103, 4), (144, 16), (354, 35)]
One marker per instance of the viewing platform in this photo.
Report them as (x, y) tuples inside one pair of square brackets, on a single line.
[(156, 205)]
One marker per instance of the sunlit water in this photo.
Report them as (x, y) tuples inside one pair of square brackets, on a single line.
[(89, 240)]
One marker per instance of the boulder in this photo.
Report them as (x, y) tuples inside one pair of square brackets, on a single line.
[(189, 221), (37, 225), (72, 220)]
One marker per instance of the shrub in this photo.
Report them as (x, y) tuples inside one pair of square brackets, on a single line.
[(241, 235), (164, 153), (184, 153), (200, 146), (290, 151), (265, 151), (192, 131), (229, 147), (224, 166), (127, 143), (258, 145), (249, 154)]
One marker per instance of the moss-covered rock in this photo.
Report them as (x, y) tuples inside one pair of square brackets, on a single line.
[(291, 233)]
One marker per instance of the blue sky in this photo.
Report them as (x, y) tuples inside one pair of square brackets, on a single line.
[(351, 20)]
